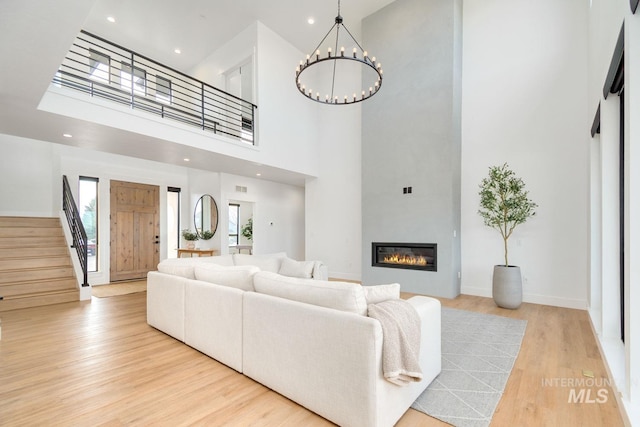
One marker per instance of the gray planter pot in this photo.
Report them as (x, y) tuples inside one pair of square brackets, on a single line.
[(507, 286)]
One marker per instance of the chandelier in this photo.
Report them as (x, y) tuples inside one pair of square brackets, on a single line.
[(332, 71)]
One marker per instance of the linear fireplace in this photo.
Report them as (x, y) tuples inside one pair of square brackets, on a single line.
[(414, 256)]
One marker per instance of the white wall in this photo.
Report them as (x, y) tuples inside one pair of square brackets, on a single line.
[(278, 214), (287, 131), (524, 102), (26, 169)]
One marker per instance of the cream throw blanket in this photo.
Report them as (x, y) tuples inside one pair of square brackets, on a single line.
[(400, 340)]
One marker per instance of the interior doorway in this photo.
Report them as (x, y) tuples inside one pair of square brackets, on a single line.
[(135, 230), (241, 236)]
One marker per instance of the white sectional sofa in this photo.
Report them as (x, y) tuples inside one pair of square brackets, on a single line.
[(307, 339)]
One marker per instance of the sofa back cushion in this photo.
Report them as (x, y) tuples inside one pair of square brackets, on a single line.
[(225, 260), (270, 262), (240, 277), (183, 267), (342, 296)]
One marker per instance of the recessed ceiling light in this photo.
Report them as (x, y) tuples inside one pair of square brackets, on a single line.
[(186, 160), (111, 19), (311, 21), (258, 174), (67, 135), (178, 51)]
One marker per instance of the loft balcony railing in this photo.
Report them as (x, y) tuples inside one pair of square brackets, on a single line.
[(103, 69)]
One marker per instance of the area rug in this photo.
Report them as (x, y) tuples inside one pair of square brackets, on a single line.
[(115, 289), (478, 353)]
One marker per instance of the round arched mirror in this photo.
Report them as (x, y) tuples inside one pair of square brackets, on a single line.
[(205, 217)]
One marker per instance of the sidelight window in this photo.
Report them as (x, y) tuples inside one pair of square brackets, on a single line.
[(88, 208)]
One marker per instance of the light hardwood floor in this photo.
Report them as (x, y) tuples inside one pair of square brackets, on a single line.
[(99, 363)]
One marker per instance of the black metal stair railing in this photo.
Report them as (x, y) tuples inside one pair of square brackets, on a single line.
[(78, 233), (103, 69)]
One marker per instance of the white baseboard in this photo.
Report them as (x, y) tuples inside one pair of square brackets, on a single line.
[(532, 298)]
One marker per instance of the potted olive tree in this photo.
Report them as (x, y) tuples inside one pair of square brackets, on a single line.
[(504, 204)]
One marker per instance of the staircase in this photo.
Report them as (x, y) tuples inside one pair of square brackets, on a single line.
[(35, 265)]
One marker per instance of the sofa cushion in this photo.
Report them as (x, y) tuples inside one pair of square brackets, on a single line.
[(380, 293), (342, 296), (269, 262), (240, 277), (293, 268), (225, 260), (182, 267)]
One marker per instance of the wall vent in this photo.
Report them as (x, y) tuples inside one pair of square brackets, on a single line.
[(241, 189)]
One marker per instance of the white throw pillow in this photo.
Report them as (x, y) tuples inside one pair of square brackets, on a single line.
[(380, 293), (342, 296), (293, 268), (240, 277), (263, 262)]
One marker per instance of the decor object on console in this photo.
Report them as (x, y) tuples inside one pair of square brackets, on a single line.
[(504, 204), (190, 237), (339, 67)]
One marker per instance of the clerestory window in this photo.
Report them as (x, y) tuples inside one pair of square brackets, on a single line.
[(139, 79), (99, 66)]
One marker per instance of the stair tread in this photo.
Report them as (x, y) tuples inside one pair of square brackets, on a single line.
[(39, 294)]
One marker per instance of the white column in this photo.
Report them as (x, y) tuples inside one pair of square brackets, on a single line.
[(610, 214), (595, 234)]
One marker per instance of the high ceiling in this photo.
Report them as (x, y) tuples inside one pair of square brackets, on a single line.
[(198, 27), (36, 35)]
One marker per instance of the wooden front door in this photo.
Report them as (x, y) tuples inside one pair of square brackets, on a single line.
[(135, 230)]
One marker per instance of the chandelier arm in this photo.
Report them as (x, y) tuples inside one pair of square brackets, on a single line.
[(323, 39), (352, 38)]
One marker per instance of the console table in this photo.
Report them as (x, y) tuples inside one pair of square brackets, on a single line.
[(198, 252)]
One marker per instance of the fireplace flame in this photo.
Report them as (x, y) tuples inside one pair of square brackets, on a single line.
[(405, 259)]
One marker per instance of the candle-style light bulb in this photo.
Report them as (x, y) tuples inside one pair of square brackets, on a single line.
[(317, 96), (329, 52), (355, 51), (362, 94), (365, 54), (317, 54), (342, 51)]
